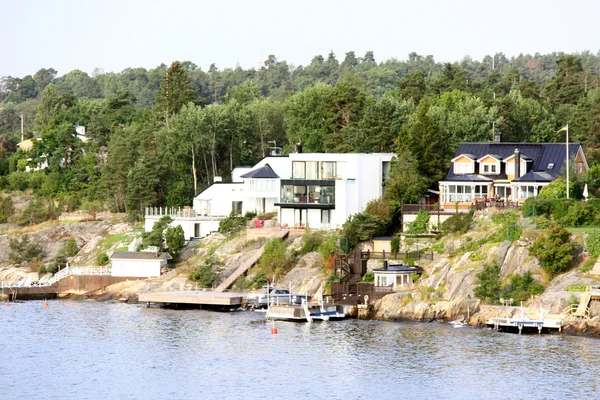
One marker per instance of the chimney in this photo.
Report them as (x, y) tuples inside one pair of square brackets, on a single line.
[(299, 147), (498, 137), (517, 163)]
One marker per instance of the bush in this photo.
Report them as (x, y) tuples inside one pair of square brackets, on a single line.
[(395, 244), (52, 268), (42, 270), (382, 209), (7, 209), (505, 218), (592, 243), (554, 250), (175, 240), (522, 287), (266, 216), (361, 227), (155, 236), (329, 247), (102, 259), (274, 260), (249, 215), (204, 276), (21, 249), (488, 283), (542, 222), (311, 241), (70, 248), (35, 213), (419, 225), (458, 223), (369, 277), (232, 224)]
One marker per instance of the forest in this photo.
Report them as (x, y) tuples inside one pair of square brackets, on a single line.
[(158, 137)]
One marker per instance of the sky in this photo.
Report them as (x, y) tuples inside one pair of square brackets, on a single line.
[(117, 34)]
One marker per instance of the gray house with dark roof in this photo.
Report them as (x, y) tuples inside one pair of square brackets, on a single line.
[(505, 171)]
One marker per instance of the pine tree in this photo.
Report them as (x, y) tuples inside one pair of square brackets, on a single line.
[(175, 91)]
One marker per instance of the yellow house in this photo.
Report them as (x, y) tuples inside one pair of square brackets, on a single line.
[(505, 171)]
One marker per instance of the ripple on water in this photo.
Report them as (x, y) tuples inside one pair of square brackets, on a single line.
[(87, 350)]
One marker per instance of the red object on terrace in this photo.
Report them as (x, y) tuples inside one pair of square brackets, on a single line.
[(258, 223)]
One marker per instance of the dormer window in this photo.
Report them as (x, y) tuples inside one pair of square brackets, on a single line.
[(489, 168), (464, 164)]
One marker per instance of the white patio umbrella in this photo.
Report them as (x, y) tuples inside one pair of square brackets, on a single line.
[(585, 192)]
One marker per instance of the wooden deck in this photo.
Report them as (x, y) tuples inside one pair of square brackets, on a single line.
[(200, 298)]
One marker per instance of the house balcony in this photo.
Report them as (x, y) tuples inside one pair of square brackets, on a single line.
[(307, 194)]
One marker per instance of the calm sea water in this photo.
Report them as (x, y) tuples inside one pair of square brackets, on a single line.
[(89, 350)]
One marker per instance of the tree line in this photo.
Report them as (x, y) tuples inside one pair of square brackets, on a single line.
[(160, 136)]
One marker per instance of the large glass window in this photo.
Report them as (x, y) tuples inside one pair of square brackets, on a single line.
[(311, 194), (312, 171), (298, 170), (328, 170)]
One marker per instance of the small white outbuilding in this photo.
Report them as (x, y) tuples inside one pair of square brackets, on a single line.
[(138, 264)]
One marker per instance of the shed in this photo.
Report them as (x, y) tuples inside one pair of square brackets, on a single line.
[(138, 264), (397, 276)]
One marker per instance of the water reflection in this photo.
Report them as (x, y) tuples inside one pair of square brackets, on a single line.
[(88, 350)]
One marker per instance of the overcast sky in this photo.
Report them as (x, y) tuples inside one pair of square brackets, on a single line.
[(116, 34)]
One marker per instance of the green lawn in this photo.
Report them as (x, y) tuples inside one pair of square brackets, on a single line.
[(583, 228)]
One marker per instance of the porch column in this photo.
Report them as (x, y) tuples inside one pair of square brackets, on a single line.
[(472, 193)]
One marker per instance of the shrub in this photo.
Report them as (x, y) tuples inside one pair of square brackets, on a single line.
[(42, 270), (21, 249), (542, 222), (576, 288), (381, 209), (70, 248), (249, 215), (505, 218), (232, 224), (266, 216), (102, 259), (488, 283), (7, 209), (35, 212), (554, 250), (311, 240), (592, 243), (52, 268), (419, 225), (274, 260), (155, 236), (522, 287), (395, 244), (204, 276), (175, 240), (369, 277), (459, 222), (361, 227), (329, 247)]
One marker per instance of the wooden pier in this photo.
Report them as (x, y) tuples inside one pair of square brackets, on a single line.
[(525, 322), (220, 300)]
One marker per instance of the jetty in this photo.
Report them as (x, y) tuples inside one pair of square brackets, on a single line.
[(195, 299)]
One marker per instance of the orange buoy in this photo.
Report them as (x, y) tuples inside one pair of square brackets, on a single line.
[(274, 331), (45, 304), (7, 304)]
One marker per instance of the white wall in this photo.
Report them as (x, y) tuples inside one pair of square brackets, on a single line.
[(137, 268), (187, 224), (220, 197)]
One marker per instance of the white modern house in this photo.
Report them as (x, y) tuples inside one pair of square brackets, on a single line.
[(316, 190), (138, 264)]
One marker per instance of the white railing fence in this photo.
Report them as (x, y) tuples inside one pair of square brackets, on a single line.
[(63, 273)]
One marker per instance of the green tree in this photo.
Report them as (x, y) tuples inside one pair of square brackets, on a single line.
[(175, 92), (71, 248), (175, 240), (156, 236), (21, 249), (488, 283), (554, 250), (361, 227), (405, 182)]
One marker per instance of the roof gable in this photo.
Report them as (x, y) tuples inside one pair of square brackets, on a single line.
[(263, 172)]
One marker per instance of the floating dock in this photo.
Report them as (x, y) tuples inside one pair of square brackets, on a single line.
[(220, 300), (525, 322)]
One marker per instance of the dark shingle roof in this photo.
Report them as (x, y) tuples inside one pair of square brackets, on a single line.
[(263, 172), (536, 176), (399, 268), (139, 255), (540, 154)]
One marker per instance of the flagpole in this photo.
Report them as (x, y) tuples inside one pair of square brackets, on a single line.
[(567, 161)]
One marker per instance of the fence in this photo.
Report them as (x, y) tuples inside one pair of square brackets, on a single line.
[(396, 255)]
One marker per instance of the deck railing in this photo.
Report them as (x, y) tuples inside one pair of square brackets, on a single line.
[(396, 255), (415, 208)]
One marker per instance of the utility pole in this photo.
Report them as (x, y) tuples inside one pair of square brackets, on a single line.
[(493, 122), (22, 130)]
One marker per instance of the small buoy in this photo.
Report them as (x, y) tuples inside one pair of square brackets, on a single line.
[(45, 304), (7, 304), (274, 331)]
